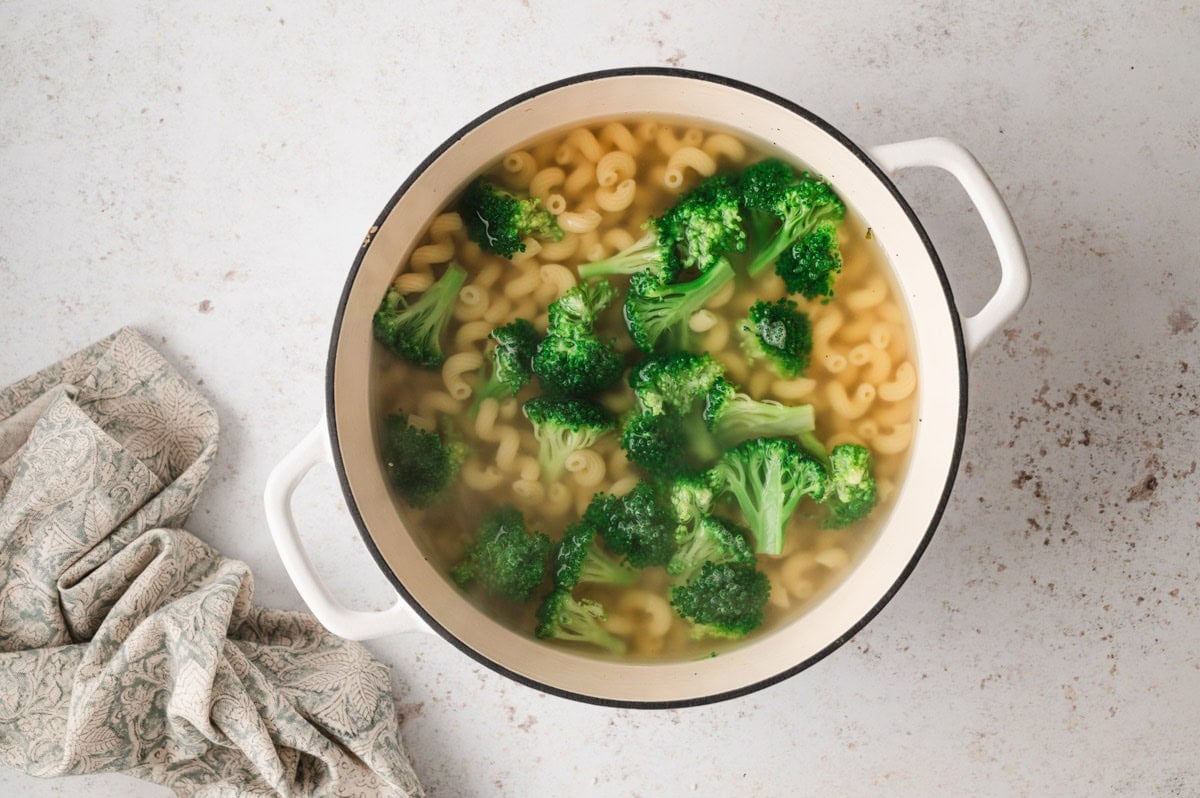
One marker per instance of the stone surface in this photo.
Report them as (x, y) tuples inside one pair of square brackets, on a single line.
[(206, 173)]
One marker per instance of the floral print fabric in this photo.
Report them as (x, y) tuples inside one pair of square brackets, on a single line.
[(126, 643)]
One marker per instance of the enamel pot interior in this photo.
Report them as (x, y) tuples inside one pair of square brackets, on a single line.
[(939, 354)]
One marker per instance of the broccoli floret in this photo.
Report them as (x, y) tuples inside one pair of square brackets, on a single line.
[(505, 559), (811, 266), (636, 526), (582, 558), (575, 312), (779, 332), (697, 232), (762, 183), (708, 224), (768, 477), (512, 360), (674, 381), (564, 617), (497, 220), (733, 417), (852, 491), (572, 361), (723, 600), (419, 464), (658, 442), (800, 205), (690, 497), (653, 308), (709, 539), (414, 331), (653, 253), (563, 426)]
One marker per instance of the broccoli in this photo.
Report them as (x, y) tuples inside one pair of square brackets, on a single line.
[(582, 558), (673, 381), (654, 308), (852, 492), (695, 233), (733, 417), (708, 224), (414, 331), (636, 526), (799, 203), (419, 464), (812, 264), (564, 617), (780, 333), (724, 600), (497, 220), (768, 477), (563, 426), (572, 361), (710, 539), (690, 497), (512, 358), (658, 442), (654, 252), (505, 559)]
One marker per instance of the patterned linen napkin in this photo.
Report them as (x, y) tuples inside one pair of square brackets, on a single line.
[(127, 644)]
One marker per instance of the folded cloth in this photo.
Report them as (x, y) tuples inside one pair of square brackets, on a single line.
[(126, 643)]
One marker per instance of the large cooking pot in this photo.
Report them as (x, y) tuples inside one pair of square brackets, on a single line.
[(943, 341)]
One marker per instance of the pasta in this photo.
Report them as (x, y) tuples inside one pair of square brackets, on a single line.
[(601, 182)]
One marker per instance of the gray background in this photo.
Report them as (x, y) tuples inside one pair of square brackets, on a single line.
[(206, 172)]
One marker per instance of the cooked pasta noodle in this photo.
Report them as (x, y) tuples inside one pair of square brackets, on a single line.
[(455, 367), (413, 282), (618, 135), (560, 250), (472, 332), (431, 254), (895, 441), (477, 476), (519, 168), (616, 198), (615, 167), (580, 178), (902, 384), (544, 181), (850, 407), (587, 467), (721, 145), (558, 279), (573, 222), (685, 158), (618, 238)]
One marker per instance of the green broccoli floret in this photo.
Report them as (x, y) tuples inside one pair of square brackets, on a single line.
[(811, 266), (581, 558), (563, 426), (564, 617), (414, 331), (723, 600), (497, 220), (654, 252), (512, 360), (658, 442), (709, 539), (505, 559), (800, 205), (733, 417), (636, 526), (572, 361), (690, 497), (779, 332), (761, 184), (852, 492), (673, 381), (697, 232), (654, 309), (419, 464), (768, 477), (708, 224)]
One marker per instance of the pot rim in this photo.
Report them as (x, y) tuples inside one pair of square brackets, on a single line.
[(960, 427)]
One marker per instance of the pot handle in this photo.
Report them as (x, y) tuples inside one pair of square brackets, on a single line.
[(1014, 265), (313, 450)]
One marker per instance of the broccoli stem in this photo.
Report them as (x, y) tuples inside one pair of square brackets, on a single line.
[(632, 259)]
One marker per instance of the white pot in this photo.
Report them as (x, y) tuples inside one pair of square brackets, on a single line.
[(944, 341)]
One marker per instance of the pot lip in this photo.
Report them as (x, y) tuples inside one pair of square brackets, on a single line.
[(960, 429)]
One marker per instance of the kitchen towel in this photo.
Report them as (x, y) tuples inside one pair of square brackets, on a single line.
[(126, 643)]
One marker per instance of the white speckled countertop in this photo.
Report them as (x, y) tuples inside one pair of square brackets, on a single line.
[(206, 172)]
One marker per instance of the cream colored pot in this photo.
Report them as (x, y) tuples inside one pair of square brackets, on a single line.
[(944, 341)]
